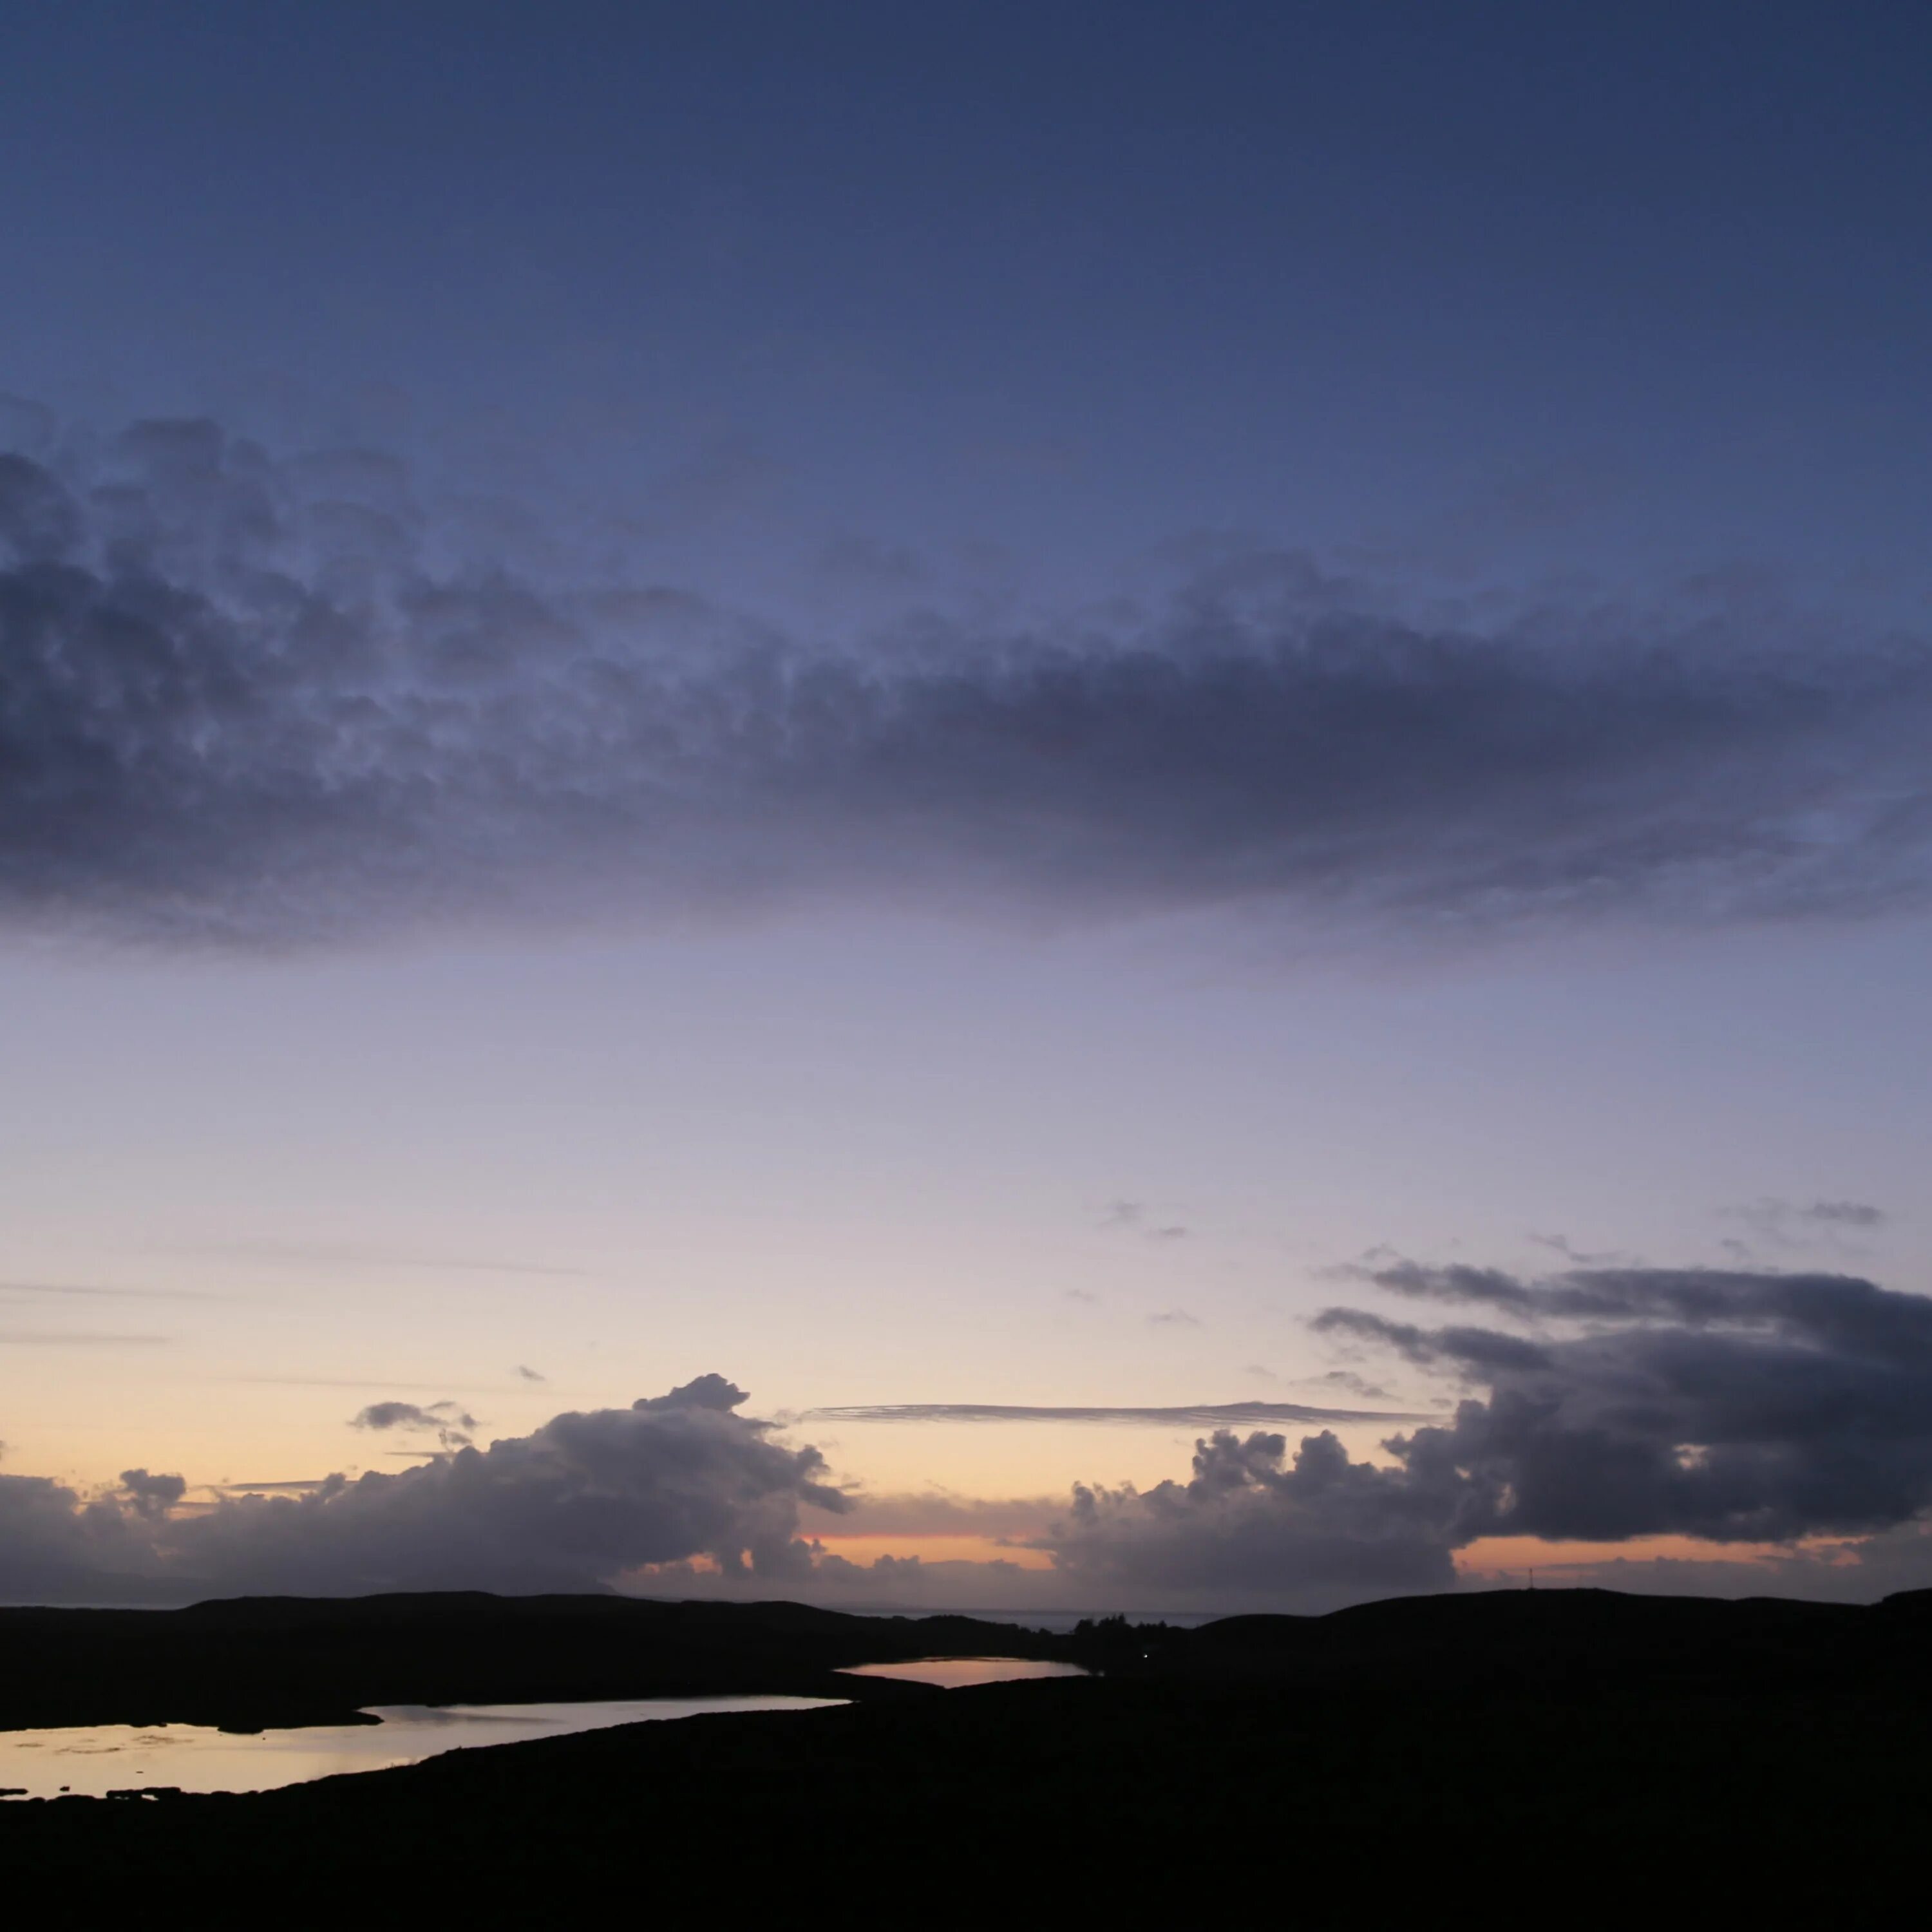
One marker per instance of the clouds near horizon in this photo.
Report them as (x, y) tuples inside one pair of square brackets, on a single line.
[(1732, 1405), (577, 1502), (1606, 1405)]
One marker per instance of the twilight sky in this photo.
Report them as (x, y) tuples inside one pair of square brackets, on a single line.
[(1115, 712)]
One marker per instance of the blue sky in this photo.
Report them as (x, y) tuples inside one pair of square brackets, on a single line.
[(953, 706)]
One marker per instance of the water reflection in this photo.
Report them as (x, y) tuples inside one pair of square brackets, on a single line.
[(956, 1673), (92, 1760)]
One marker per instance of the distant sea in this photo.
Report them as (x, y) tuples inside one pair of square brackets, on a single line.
[(1058, 1620)]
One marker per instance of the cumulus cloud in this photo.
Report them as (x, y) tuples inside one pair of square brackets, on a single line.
[(1730, 1405), (1737, 1407), (580, 1500), (1746, 1408), (249, 700), (56, 1546), (152, 1496), (1253, 1522)]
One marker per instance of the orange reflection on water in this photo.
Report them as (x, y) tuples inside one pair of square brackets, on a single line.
[(959, 1673)]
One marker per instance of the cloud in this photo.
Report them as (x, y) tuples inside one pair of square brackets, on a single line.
[(1358, 1385), (450, 1424), (87, 1292), (1563, 1246), (1818, 1224), (1845, 1213), (1205, 1415), (1253, 1522), (1750, 1408), (252, 702), (579, 1502), (56, 1545), (152, 1496), (77, 1338), (1732, 1406), (1131, 1216), (1174, 1317), (392, 1415), (336, 1382), (355, 1254)]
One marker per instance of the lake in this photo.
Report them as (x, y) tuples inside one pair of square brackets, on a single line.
[(92, 1760), (957, 1673)]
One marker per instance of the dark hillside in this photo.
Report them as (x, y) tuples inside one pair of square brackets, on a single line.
[(252, 1662), (1576, 1758)]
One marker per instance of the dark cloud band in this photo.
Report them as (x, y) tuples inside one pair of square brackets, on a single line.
[(246, 701)]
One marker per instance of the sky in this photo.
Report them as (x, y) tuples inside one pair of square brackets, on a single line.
[(1079, 806)]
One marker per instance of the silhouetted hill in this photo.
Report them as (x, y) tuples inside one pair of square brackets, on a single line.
[(249, 1662), (1575, 1758), (1493, 1639)]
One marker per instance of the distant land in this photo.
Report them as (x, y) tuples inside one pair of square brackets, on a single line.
[(1559, 1757)]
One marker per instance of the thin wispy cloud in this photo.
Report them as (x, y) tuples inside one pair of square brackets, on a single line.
[(63, 1338), (1845, 1213), (1204, 1415), (452, 1425), (349, 1254), (359, 1382), (91, 1292), (1824, 1225)]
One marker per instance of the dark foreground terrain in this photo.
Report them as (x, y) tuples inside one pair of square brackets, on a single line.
[(249, 1663), (1554, 1758)]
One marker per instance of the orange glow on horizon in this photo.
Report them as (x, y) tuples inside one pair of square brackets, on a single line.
[(1503, 1556), (865, 1550)]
